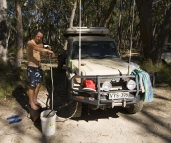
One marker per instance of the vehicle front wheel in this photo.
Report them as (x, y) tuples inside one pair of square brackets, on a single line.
[(75, 109), (132, 109)]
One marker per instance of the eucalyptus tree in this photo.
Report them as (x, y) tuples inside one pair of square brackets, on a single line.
[(163, 30), (19, 29), (153, 40), (108, 14), (97, 12), (55, 16), (3, 32), (163, 33), (145, 15), (120, 25), (73, 13)]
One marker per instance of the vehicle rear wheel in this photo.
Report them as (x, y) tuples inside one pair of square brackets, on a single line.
[(132, 109)]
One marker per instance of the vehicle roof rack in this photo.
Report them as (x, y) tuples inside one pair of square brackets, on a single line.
[(87, 31)]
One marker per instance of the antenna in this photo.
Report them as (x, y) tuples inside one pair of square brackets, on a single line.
[(130, 51), (79, 61)]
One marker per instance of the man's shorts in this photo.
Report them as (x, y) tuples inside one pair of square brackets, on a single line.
[(35, 75)]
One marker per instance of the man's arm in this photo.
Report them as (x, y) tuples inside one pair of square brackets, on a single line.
[(40, 48), (36, 47), (46, 47)]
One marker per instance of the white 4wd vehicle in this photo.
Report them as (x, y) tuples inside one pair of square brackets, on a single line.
[(98, 76)]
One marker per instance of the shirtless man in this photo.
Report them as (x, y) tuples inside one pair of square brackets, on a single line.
[(34, 71)]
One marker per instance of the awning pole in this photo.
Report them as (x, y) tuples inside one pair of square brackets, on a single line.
[(79, 62), (132, 25)]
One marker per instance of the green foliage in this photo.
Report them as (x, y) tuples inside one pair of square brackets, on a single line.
[(53, 18), (164, 74), (47, 77), (12, 52), (161, 70), (11, 77), (149, 66)]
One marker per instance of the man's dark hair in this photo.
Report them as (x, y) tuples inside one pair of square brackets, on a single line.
[(37, 31)]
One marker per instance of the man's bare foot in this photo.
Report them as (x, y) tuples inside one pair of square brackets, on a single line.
[(34, 107), (37, 103)]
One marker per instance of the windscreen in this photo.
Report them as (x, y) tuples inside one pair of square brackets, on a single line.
[(95, 49)]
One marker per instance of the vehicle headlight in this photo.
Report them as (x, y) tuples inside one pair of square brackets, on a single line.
[(106, 86), (131, 84)]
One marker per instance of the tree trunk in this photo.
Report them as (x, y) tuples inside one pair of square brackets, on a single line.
[(83, 13), (146, 33), (3, 32), (109, 13), (19, 33), (120, 27), (71, 21), (73, 14), (164, 32)]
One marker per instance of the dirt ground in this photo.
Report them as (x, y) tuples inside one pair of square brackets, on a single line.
[(151, 125)]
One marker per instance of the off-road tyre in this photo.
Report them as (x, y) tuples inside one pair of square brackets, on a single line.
[(75, 109), (132, 109)]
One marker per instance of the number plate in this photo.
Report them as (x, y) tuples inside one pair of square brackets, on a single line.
[(118, 95)]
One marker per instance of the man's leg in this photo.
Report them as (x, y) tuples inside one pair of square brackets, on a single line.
[(31, 94), (36, 94)]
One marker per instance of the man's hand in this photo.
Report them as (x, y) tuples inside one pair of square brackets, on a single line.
[(51, 53), (47, 47)]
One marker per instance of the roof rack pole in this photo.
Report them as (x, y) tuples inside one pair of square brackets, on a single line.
[(79, 62)]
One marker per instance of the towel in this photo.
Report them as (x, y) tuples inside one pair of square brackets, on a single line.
[(145, 84)]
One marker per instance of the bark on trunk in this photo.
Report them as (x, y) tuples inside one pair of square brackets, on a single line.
[(164, 32), (109, 13), (3, 32), (19, 34), (73, 14), (120, 27), (71, 21), (145, 15)]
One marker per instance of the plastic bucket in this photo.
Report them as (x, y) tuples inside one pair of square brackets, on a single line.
[(48, 123)]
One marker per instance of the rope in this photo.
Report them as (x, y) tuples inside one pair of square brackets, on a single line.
[(52, 94), (70, 116)]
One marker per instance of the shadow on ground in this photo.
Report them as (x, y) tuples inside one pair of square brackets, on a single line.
[(21, 97), (61, 101), (60, 97)]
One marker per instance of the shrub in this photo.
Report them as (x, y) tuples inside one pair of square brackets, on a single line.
[(162, 70), (11, 77)]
